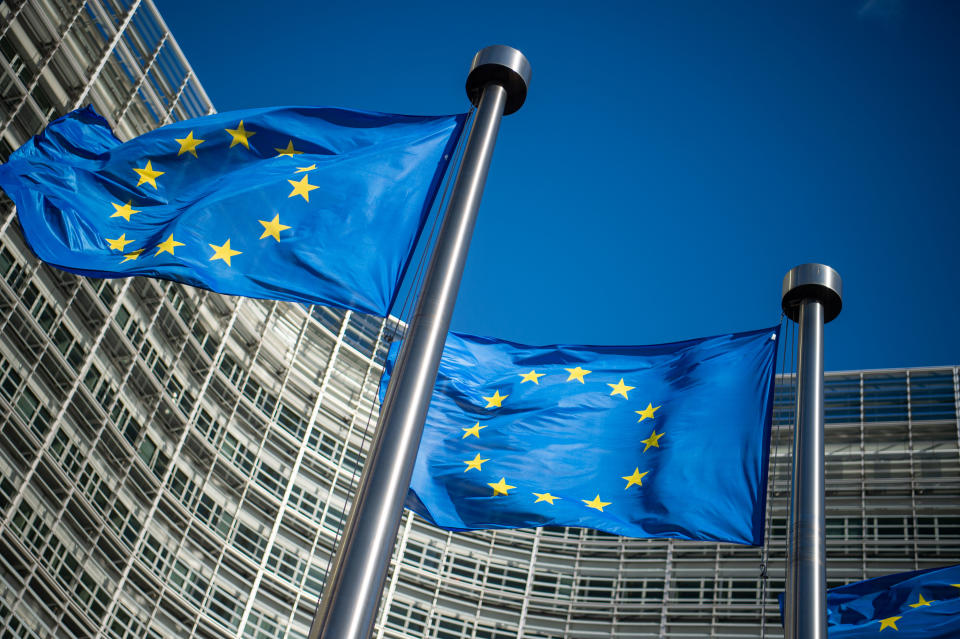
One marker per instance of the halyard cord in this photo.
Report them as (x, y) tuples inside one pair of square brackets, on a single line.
[(787, 349)]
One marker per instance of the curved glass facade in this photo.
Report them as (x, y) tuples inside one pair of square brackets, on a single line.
[(175, 463)]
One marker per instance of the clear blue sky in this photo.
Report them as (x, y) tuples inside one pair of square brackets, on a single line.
[(673, 159)]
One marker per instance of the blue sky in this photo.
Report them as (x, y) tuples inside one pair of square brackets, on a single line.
[(673, 159)]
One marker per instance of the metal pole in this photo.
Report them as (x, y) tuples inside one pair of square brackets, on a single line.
[(811, 297), (497, 84)]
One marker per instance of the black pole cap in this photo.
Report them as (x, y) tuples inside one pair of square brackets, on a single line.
[(812, 281), (503, 65)]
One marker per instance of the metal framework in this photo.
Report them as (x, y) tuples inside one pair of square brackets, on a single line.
[(175, 463)]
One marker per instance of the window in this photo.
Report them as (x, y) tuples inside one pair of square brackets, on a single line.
[(122, 317), (316, 578), (407, 618), (33, 413), (270, 479), (107, 293), (124, 523), (231, 368), (94, 598), (7, 262), (931, 396), (248, 541), (884, 398), (9, 380), (147, 450), (286, 564), (291, 421), (183, 488), (68, 346), (155, 556), (226, 606)]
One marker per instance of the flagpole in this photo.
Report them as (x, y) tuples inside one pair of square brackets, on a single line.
[(812, 296), (497, 86)]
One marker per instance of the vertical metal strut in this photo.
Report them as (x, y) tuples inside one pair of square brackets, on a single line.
[(497, 84), (811, 297)]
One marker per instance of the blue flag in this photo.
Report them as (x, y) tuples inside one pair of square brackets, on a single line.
[(924, 604), (643, 441), (312, 205)]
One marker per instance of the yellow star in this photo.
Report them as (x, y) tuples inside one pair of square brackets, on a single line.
[(301, 188), (501, 487), (922, 602), (168, 245), (124, 211), (289, 151), (889, 622), (223, 252), (646, 413), (596, 503), (148, 175), (532, 376), (119, 243), (474, 463), (652, 440), (635, 478), (547, 497), (132, 255), (620, 389), (496, 400), (473, 430), (577, 374), (240, 136), (304, 169), (273, 228), (189, 145)]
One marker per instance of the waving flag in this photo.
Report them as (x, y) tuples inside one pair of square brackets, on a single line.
[(923, 604), (313, 205), (643, 441)]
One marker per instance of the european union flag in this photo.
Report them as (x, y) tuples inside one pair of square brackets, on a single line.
[(924, 604), (643, 441), (313, 205)]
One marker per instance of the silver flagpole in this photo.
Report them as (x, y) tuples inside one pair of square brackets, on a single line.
[(811, 297), (497, 85)]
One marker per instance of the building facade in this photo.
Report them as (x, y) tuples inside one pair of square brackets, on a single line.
[(173, 463), (176, 463)]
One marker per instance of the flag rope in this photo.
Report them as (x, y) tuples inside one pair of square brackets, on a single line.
[(787, 349), (431, 236)]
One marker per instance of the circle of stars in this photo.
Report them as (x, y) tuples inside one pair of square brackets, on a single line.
[(148, 176), (576, 374)]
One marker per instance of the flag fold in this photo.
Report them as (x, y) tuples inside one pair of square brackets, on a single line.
[(922, 604), (643, 441), (306, 204)]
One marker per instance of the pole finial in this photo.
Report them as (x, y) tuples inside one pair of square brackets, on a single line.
[(812, 281), (502, 65)]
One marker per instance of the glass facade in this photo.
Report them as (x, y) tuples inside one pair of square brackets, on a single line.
[(175, 463)]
